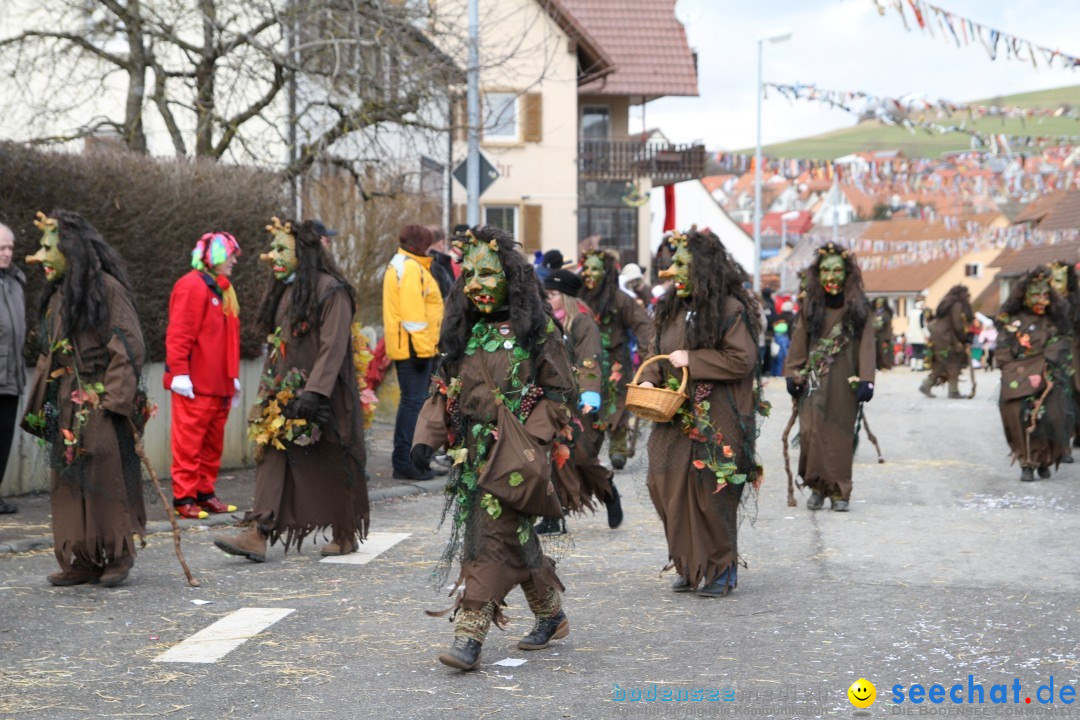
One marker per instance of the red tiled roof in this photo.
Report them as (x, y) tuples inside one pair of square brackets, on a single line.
[(774, 222), (598, 62), (1058, 211), (646, 41), (906, 278), (1017, 261)]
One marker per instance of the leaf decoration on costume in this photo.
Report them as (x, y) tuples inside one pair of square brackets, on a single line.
[(272, 428), (516, 479), (362, 357)]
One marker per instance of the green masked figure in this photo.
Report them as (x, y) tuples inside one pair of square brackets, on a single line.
[(592, 271), (282, 255), (680, 271), (832, 274), (49, 255), (1037, 297), (1059, 279), (485, 281)]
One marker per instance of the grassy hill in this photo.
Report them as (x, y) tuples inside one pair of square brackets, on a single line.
[(873, 135)]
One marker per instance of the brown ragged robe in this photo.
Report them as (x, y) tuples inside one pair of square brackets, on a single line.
[(827, 413), (301, 490), (493, 559), (948, 343), (583, 477), (97, 502), (615, 330), (1024, 374), (701, 525), (883, 337)]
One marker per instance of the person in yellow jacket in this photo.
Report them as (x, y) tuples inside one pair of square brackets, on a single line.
[(412, 315)]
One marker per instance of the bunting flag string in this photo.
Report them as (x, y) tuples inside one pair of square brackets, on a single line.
[(901, 111), (964, 31), (876, 255)]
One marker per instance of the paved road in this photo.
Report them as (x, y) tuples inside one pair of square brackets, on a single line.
[(946, 566)]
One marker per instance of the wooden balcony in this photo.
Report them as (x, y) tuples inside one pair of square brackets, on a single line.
[(663, 163)]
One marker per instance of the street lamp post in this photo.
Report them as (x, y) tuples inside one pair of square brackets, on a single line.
[(773, 37)]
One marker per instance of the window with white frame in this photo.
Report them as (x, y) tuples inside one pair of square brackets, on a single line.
[(501, 111), (504, 217), (973, 270)]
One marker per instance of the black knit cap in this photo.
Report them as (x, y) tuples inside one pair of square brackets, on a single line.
[(564, 281)]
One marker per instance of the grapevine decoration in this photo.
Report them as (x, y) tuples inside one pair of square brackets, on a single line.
[(520, 399), (719, 460), (822, 357)]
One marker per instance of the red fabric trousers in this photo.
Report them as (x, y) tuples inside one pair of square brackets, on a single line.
[(198, 436)]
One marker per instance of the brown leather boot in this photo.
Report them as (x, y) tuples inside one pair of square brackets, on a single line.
[(117, 571), (250, 544), (75, 576), (332, 548)]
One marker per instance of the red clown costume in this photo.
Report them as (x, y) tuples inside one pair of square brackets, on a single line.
[(202, 369)]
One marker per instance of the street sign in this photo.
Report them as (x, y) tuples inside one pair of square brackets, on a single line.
[(488, 173)]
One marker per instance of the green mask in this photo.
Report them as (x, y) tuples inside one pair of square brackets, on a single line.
[(49, 255), (1037, 297), (485, 281), (832, 272), (1059, 279), (592, 271), (282, 255), (679, 271)]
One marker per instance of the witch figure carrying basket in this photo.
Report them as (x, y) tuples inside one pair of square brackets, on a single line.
[(499, 404), (702, 459)]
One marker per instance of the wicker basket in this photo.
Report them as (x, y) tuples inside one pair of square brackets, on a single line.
[(655, 403)]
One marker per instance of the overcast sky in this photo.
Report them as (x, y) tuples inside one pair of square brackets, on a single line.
[(846, 45)]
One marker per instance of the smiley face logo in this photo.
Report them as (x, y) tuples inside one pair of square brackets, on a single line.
[(862, 693)]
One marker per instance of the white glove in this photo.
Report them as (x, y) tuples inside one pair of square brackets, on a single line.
[(181, 385), (236, 395)]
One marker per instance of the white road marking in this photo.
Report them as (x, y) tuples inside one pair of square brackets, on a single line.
[(215, 641), (376, 544)]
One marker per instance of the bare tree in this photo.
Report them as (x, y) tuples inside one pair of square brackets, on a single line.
[(231, 77)]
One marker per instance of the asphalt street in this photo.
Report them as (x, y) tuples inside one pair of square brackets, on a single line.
[(947, 566)]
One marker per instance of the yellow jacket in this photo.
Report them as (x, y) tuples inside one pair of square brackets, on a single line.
[(412, 307)]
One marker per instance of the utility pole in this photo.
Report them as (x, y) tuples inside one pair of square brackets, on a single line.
[(472, 185)]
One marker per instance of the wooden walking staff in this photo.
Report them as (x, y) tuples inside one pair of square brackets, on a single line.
[(787, 459), (866, 426), (165, 504)]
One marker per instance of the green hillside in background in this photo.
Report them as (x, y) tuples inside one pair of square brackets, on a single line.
[(873, 135)]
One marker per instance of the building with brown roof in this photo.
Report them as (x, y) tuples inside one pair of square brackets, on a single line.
[(888, 275), (557, 119), (1060, 210)]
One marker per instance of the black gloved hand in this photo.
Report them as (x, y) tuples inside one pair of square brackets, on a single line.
[(310, 406), (795, 389), (421, 456), (865, 391)]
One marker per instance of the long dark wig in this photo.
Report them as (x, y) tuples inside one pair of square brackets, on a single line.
[(714, 275), (526, 303), (602, 299), (311, 259), (856, 306), (88, 256), (957, 294), (1059, 308)]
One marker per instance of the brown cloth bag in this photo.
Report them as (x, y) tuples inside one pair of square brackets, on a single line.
[(518, 470)]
